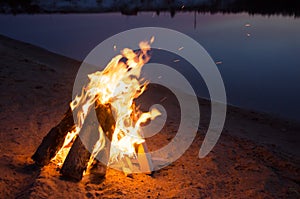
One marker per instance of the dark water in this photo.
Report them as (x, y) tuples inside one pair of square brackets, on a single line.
[(260, 63)]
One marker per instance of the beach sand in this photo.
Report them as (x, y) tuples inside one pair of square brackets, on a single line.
[(257, 155)]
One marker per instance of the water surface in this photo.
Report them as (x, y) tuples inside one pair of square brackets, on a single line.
[(258, 56)]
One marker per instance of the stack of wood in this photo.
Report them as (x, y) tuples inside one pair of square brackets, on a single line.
[(79, 155)]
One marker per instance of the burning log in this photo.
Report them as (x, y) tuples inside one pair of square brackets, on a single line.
[(144, 159), (90, 138), (107, 122), (54, 140), (79, 155)]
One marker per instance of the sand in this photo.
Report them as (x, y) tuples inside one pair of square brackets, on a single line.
[(257, 155)]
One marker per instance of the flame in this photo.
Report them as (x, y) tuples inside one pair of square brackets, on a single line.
[(64, 150), (119, 84)]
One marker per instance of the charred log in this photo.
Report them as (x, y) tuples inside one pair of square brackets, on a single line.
[(54, 140), (77, 160), (107, 122)]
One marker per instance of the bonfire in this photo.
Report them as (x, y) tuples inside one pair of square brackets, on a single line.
[(103, 125)]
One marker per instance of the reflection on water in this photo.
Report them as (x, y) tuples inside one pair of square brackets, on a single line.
[(257, 56), (133, 7)]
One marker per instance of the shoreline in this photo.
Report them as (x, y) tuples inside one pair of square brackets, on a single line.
[(264, 118), (257, 155), (274, 116)]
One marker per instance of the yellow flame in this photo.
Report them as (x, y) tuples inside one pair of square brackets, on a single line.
[(64, 150), (118, 84)]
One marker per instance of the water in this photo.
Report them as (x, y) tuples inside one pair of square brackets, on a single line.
[(260, 63)]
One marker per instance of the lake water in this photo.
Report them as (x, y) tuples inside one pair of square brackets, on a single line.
[(259, 56)]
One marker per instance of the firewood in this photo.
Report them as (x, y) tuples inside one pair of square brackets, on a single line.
[(54, 140), (144, 159), (79, 155), (77, 159), (107, 122)]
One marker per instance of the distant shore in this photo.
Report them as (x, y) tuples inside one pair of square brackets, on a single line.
[(278, 7)]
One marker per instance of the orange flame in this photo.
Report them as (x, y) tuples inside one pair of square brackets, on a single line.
[(118, 84)]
